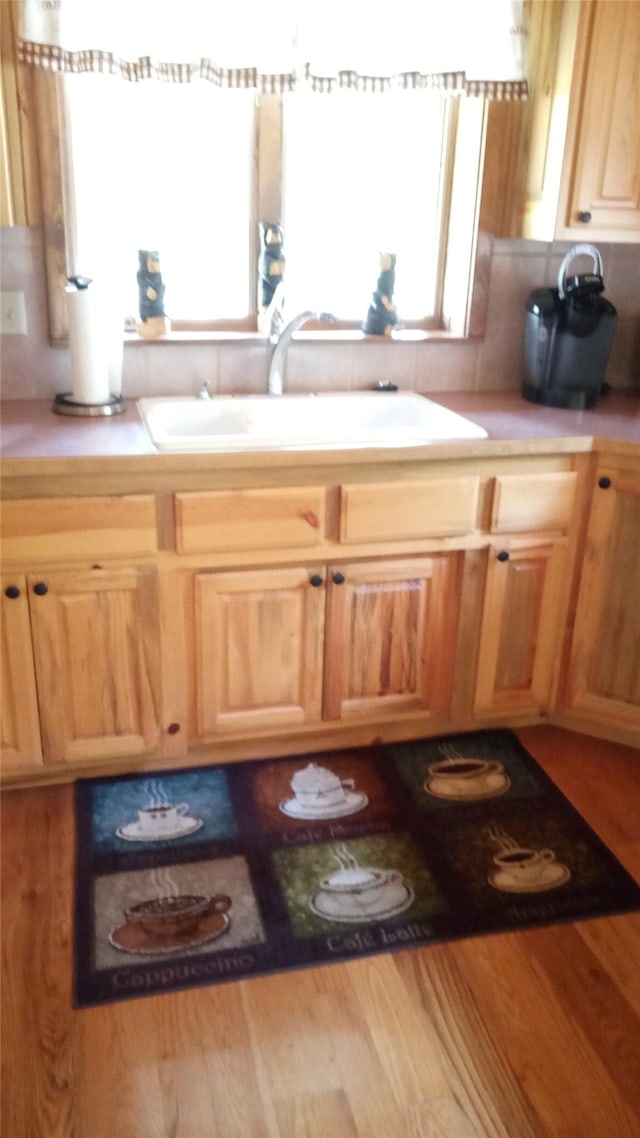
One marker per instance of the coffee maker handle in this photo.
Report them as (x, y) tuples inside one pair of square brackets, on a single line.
[(576, 251)]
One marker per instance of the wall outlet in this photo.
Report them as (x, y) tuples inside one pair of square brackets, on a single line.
[(13, 314)]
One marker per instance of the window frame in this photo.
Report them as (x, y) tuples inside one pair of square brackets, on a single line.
[(466, 254)]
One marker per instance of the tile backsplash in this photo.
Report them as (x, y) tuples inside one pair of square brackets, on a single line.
[(32, 369)]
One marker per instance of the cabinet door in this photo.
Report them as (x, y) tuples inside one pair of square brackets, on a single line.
[(604, 677), (390, 636), (259, 640), (97, 656), (521, 629), (20, 738), (604, 173)]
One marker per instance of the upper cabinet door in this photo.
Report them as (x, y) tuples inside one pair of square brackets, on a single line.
[(97, 655), (601, 181)]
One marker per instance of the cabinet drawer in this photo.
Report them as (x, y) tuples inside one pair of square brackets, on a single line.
[(386, 511), (250, 519), (60, 528), (533, 502)]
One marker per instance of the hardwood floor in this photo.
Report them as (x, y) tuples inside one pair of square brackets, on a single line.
[(522, 1035)]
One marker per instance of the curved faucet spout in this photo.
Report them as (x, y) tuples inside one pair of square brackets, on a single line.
[(281, 340)]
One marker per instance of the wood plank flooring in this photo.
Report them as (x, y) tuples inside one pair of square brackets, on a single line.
[(521, 1035)]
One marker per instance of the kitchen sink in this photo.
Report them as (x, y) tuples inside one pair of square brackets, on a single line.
[(341, 420)]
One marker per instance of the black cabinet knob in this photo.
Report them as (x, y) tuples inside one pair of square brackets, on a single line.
[(40, 589), (604, 483), (316, 580), (338, 578), (503, 555), (12, 591), (584, 216)]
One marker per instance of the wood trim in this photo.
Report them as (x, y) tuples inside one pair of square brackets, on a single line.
[(47, 98), (20, 199)]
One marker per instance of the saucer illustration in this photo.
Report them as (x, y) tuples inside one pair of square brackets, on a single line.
[(133, 832), (323, 905), (552, 876), (132, 938), (354, 800)]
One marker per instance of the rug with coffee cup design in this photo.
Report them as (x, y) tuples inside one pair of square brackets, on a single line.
[(216, 873)]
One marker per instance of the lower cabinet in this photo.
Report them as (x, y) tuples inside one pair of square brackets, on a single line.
[(390, 636), (20, 736), (258, 649), (522, 625), (604, 670), (291, 646), (96, 651)]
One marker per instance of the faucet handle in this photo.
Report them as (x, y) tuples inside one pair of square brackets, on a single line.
[(205, 391)]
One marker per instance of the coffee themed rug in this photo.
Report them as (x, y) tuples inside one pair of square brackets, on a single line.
[(219, 873)]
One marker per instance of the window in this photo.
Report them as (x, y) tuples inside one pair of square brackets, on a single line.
[(169, 167), (191, 170)]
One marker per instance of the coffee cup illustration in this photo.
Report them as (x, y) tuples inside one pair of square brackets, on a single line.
[(320, 793), (359, 893), (461, 776), (159, 819), (519, 868), (174, 917), (317, 788), (524, 864)]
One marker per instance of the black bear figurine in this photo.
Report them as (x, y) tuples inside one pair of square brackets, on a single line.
[(272, 261), (382, 315), (151, 288), (153, 320)]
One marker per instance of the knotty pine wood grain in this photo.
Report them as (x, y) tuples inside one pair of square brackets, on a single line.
[(522, 1035)]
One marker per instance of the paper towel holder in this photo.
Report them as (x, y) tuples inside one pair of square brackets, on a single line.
[(66, 403)]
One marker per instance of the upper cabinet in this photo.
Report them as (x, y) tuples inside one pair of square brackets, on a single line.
[(565, 165), (600, 191)]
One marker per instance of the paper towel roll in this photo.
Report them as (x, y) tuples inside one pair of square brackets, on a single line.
[(87, 346)]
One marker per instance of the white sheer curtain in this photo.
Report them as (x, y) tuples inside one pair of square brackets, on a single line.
[(459, 45)]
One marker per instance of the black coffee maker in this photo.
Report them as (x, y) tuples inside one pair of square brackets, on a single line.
[(568, 336)]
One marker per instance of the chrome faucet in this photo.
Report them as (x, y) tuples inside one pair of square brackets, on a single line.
[(281, 338)]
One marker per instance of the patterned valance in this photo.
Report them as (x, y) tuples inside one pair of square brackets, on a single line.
[(472, 47)]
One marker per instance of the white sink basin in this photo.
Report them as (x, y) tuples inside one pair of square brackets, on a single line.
[(301, 422)]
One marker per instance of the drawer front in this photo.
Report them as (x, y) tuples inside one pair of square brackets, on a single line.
[(250, 519), (60, 528), (533, 502), (386, 511)]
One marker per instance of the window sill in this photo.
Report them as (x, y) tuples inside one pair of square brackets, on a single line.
[(341, 336)]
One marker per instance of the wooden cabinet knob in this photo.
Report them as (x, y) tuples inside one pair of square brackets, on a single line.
[(12, 591), (40, 589)]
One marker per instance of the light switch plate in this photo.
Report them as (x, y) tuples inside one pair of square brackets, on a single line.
[(13, 314)]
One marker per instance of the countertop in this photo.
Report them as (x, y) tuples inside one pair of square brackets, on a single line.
[(31, 433)]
